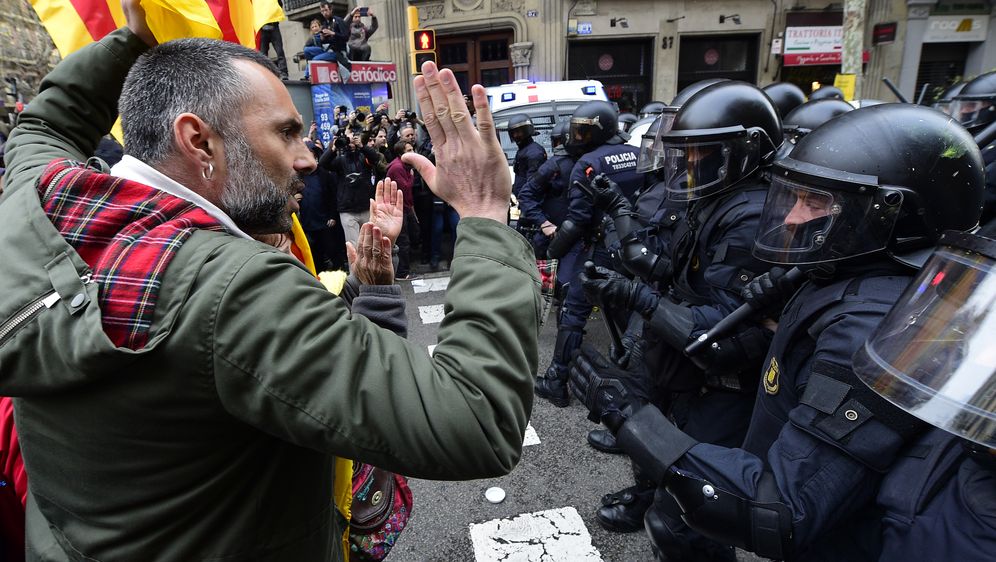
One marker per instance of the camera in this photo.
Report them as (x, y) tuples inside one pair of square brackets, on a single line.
[(364, 11), (340, 142), (360, 116), (410, 115)]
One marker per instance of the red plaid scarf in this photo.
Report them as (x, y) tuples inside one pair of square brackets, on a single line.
[(127, 233)]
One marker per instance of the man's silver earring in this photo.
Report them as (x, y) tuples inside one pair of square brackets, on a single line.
[(207, 174)]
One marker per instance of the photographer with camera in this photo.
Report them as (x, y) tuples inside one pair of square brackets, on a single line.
[(357, 169), (359, 33)]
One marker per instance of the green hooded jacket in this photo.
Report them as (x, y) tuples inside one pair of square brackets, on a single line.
[(216, 440)]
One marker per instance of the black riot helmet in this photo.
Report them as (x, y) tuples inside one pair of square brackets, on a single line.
[(890, 178), (652, 108), (786, 96), (651, 148), (943, 103), (975, 105), (810, 115), (932, 355), (827, 92), (626, 120), (722, 135), (593, 124), (651, 154), (558, 136), (520, 128)]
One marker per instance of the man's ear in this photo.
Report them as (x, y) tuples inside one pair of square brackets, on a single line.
[(196, 142)]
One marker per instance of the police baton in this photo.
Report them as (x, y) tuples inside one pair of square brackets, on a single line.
[(899, 95), (728, 325), (589, 270)]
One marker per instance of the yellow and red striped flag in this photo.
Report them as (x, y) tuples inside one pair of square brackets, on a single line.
[(75, 23)]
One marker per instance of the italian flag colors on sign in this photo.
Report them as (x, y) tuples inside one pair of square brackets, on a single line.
[(75, 23)]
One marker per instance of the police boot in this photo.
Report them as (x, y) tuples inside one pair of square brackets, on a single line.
[(622, 512), (603, 440), (553, 384)]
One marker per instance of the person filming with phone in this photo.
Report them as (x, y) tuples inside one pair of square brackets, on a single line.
[(359, 33)]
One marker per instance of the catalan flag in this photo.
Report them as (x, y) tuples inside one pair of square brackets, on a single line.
[(75, 23)]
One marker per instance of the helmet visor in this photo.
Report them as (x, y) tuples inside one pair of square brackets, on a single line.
[(801, 224), (583, 132), (933, 354), (708, 167), (651, 155), (973, 113)]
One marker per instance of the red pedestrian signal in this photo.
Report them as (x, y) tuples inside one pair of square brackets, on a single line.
[(425, 40)]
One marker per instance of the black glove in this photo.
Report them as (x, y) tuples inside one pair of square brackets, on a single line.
[(630, 353), (769, 291), (609, 289), (605, 194), (611, 394)]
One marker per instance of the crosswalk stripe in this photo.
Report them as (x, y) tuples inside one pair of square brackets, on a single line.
[(554, 535), (530, 437), (427, 285), (432, 314)]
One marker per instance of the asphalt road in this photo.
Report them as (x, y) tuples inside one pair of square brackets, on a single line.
[(557, 474)]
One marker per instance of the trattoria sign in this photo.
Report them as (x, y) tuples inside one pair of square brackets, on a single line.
[(811, 45)]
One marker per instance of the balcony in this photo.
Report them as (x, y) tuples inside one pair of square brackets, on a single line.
[(297, 7)]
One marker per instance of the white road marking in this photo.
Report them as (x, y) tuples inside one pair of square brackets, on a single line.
[(555, 535), (530, 437), (427, 285), (432, 314), (433, 348)]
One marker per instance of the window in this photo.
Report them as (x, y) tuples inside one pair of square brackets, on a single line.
[(477, 59)]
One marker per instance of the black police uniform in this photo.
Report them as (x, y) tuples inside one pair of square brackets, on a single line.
[(544, 196), (819, 439), (528, 159), (938, 503)]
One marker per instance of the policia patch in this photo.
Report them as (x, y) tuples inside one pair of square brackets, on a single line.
[(771, 378)]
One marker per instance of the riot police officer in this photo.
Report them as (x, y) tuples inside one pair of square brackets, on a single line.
[(543, 198), (595, 139), (827, 92), (626, 120), (943, 102), (652, 109), (786, 97), (932, 357), (860, 218), (720, 145), (530, 155), (643, 232), (802, 120), (975, 108)]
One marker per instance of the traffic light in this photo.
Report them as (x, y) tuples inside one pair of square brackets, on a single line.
[(423, 48), (425, 40)]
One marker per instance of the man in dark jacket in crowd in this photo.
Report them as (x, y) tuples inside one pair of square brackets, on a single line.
[(320, 219), (355, 167)]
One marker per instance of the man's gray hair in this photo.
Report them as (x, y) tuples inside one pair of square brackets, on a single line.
[(183, 76)]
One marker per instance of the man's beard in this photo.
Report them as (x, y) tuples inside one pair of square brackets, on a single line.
[(253, 200)]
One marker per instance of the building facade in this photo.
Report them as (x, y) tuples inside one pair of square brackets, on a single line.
[(642, 50)]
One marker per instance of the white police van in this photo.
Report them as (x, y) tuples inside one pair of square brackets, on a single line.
[(525, 92)]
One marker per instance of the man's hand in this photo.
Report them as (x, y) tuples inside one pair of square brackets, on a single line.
[(387, 209), (471, 172), (609, 289), (548, 229), (605, 194), (370, 260), (326, 32), (630, 353), (135, 17), (610, 393), (770, 291)]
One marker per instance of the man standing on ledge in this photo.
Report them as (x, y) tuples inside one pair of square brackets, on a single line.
[(180, 388)]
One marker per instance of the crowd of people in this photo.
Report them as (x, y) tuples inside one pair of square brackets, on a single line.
[(367, 148), (800, 296)]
